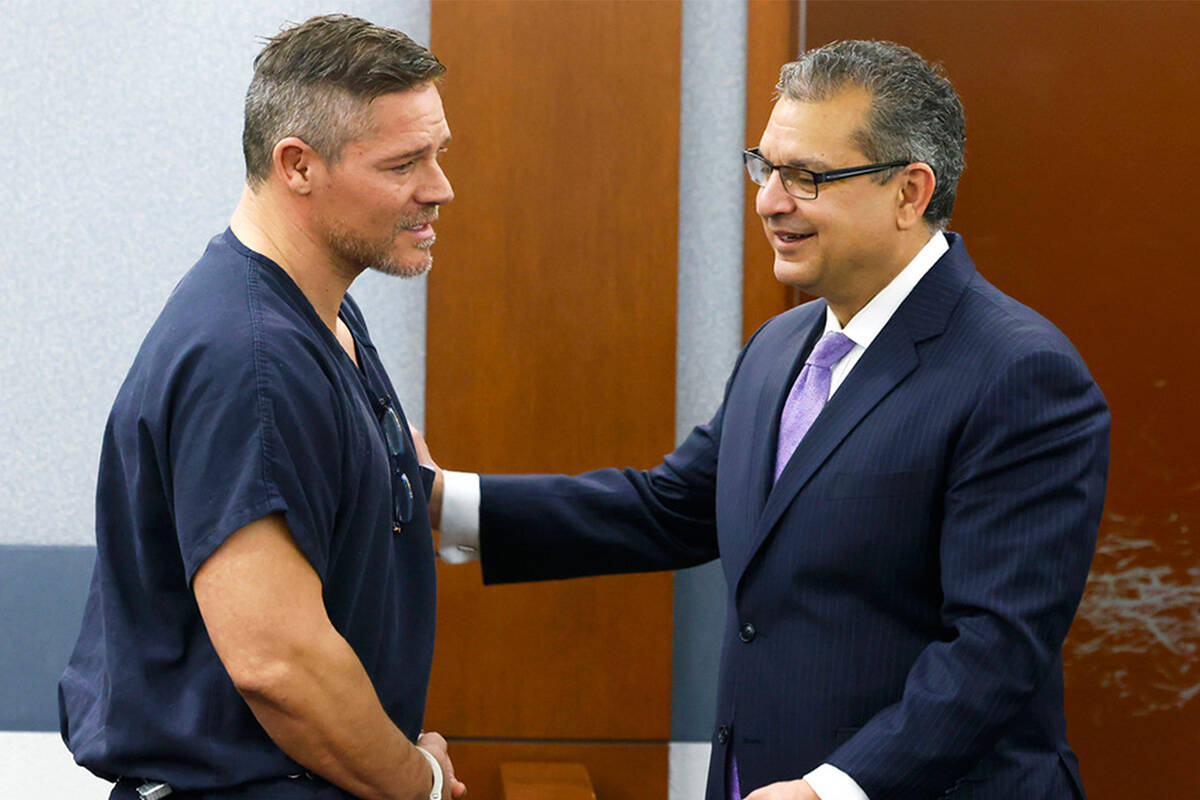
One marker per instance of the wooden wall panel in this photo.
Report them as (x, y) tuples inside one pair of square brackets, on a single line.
[(1079, 199), (551, 347), (772, 40)]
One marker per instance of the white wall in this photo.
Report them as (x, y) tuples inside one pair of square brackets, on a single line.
[(120, 123)]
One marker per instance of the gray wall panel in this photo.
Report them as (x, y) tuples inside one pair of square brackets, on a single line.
[(42, 591), (709, 332)]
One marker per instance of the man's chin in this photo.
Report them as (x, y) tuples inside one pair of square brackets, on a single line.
[(412, 269), (794, 273)]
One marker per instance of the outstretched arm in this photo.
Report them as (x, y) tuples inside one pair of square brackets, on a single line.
[(641, 520)]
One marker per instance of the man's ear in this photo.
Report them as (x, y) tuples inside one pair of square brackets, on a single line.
[(916, 190), (296, 164)]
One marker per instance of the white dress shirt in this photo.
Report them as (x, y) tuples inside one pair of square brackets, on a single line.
[(460, 499)]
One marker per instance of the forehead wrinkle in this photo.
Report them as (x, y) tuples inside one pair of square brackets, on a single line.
[(406, 155), (417, 152), (769, 152), (814, 164), (424, 140)]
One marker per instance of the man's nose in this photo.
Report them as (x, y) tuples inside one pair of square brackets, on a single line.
[(771, 199), (436, 189)]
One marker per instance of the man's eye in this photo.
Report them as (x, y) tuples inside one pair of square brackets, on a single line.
[(405, 167), (797, 178)]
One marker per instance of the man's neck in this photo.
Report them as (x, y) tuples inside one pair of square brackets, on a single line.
[(266, 226)]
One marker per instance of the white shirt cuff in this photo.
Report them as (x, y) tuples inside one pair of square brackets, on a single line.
[(460, 517), (830, 783)]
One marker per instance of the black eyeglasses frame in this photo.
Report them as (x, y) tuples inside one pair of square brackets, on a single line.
[(753, 154)]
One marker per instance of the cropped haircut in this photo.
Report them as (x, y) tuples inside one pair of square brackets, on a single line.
[(915, 113), (315, 81)]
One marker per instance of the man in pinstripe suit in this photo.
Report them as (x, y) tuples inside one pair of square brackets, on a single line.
[(900, 581)]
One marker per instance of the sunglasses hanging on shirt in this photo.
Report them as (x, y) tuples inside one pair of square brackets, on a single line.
[(402, 494)]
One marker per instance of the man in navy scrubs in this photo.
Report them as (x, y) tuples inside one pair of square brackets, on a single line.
[(261, 618)]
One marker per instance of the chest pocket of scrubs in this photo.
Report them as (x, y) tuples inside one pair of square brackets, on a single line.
[(374, 470)]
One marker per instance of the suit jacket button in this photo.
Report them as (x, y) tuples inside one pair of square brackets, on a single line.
[(746, 633), (723, 734)]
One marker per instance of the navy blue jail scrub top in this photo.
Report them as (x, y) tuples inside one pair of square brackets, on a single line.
[(240, 403)]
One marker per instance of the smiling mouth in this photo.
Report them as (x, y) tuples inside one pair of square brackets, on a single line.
[(791, 238), (420, 228)]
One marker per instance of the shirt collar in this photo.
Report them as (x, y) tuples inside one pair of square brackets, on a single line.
[(864, 326)]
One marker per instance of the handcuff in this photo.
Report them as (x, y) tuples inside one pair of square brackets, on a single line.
[(436, 792)]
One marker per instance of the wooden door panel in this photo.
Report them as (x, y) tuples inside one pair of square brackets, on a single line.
[(551, 343)]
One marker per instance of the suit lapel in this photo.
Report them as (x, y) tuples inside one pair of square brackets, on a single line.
[(887, 362)]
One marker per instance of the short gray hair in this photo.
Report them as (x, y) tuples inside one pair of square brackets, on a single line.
[(915, 113), (316, 80)]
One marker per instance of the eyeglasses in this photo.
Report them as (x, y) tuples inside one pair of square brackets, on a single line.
[(402, 496), (802, 183)]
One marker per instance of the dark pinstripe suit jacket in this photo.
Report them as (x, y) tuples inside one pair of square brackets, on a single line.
[(912, 575)]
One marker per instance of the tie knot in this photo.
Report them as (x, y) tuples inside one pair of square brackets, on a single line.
[(831, 348)]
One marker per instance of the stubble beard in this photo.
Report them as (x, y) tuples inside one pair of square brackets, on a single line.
[(360, 253)]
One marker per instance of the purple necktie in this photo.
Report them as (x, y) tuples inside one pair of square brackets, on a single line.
[(809, 394)]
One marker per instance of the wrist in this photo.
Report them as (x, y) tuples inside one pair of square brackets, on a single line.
[(436, 494), (435, 793)]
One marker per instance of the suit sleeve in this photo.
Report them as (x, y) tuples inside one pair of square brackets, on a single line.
[(537, 527), (1024, 493)]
